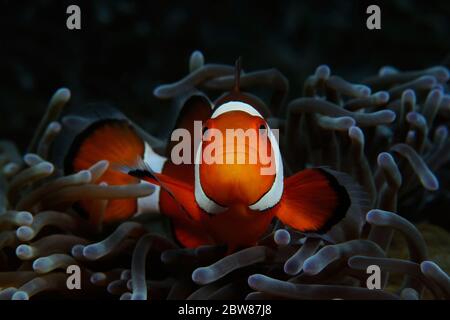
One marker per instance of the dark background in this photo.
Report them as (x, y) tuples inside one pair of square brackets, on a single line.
[(126, 48)]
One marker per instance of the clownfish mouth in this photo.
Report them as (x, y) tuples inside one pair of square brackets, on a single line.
[(232, 155)]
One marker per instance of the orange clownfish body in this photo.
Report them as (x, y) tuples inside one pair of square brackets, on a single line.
[(215, 201), (214, 198)]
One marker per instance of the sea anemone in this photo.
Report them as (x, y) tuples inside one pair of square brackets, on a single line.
[(390, 133)]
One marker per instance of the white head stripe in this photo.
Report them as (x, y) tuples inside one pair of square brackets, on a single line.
[(273, 196), (235, 106)]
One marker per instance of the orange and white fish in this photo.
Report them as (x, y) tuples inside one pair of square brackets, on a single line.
[(213, 203)]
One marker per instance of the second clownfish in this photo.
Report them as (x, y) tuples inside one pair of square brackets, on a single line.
[(213, 203)]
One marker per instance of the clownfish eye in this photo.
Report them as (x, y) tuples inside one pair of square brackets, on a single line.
[(262, 127)]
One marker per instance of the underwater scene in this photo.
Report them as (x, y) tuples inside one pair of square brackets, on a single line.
[(234, 150)]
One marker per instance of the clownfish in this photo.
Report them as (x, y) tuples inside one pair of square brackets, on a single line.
[(219, 202)]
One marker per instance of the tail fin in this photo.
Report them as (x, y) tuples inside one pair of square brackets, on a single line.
[(117, 142), (78, 120), (315, 200)]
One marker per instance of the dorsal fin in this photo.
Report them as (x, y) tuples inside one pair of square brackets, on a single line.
[(235, 94), (237, 76)]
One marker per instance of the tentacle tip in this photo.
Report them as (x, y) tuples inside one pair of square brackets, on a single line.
[(409, 95), (428, 267), (411, 135), (54, 126), (77, 250), (196, 61), (31, 158), (102, 165), (439, 87), (323, 71), (85, 176), (24, 252), (158, 92), (63, 94), (255, 280), (125, 274), (110, 288), (25, 218), (92, 252), (382, 96), (389, 115), (130, 285), (46, 167), (148, 188), (7, 293), (415, 117), (432, 184), (126, 296), (371, 215), (310, 267), (387, 70), (291, 268), (314, 264), (166, 257), (364, 90), (196, 53), (41, 265), (376, 216), (385, 159), (347, 122), (25, 233), (97, 277), (282, 237), (437, 92), (445, 102), (428, 80), (202, 275), (356, 133), (10, 168), (441, 131), (252, 296), (441, 72), (20, 295), (409, 294)]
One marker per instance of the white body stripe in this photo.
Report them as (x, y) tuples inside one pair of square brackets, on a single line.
[(150, 204)]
